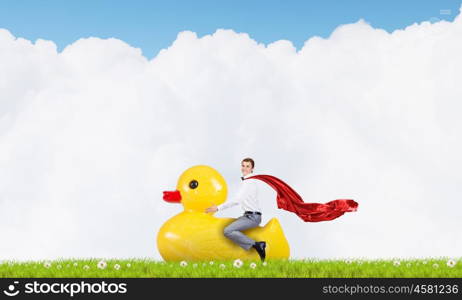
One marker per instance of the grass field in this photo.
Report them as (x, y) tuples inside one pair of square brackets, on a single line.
[(307, 268)]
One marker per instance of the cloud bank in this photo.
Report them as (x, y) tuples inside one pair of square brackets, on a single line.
[(91, 136)]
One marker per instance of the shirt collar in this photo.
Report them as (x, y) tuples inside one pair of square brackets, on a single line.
[(248, 175)]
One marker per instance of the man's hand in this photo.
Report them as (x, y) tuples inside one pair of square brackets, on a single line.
[(212, 209)]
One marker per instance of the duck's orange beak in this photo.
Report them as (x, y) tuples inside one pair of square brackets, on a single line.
[(172, 196)]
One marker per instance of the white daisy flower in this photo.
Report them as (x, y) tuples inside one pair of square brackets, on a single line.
[(222, 266), (435, 266), (102, 264), (86, 267), (253, 265), (348, 261), (76, 264), (265, 263), (47, 264), (396, 263), (238, 263), (451, 263), (117, 266), (183, 263), (129, 265), (211, 263)]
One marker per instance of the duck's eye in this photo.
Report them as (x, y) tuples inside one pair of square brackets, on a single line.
[(193, 184)]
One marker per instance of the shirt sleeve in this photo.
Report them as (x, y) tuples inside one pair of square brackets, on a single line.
[(236, 200)]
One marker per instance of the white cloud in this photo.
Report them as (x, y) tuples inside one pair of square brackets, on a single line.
[(91, 136)]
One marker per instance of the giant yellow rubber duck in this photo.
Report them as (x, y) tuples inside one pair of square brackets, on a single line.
[(195, 235)]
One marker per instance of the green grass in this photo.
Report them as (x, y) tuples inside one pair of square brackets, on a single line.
[(307, 268)]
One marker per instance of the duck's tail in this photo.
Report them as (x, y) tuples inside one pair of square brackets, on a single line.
[(276, 242)]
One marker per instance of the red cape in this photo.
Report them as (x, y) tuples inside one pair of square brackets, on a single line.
[(289, 200)]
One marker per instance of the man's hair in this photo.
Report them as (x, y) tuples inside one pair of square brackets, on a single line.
[(248, 159)]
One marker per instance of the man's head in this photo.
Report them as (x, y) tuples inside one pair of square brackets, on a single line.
[(247, 166)]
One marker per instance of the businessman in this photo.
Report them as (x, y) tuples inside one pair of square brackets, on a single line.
[(247, 197)]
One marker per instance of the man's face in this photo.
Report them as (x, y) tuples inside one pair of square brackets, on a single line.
[(246, 167)]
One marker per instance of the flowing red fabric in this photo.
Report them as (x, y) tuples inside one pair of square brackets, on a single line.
[(289, 200)]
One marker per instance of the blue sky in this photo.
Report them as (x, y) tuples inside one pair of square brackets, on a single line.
[(364, 117), (153, 25)]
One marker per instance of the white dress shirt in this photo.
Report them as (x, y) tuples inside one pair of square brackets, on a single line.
[(247, 196)]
